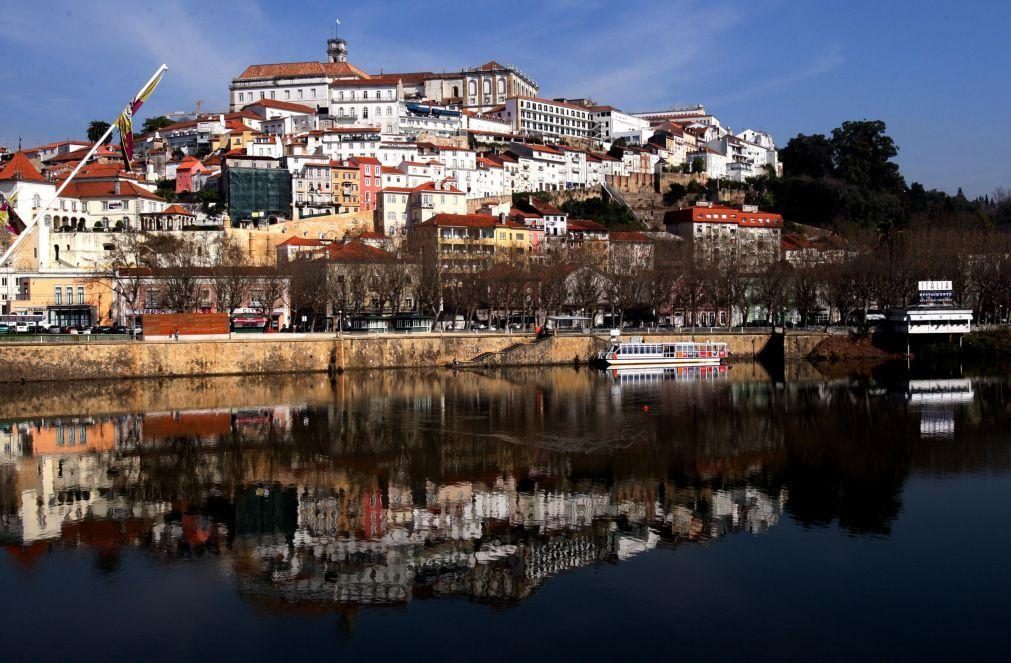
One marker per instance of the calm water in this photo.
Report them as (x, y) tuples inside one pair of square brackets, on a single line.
[(522, 514)]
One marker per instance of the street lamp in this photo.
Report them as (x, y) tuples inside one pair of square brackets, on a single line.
[(340, 321)]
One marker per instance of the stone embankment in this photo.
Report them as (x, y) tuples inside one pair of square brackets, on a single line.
[(23, 362)]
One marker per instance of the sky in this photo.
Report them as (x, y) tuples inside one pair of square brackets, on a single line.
[(935, 71)]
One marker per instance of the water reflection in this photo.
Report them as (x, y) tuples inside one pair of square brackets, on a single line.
[(380, 488)]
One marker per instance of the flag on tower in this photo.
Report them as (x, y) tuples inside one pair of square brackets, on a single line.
[(125, 121)]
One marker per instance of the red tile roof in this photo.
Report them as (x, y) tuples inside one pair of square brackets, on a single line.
[(585, 225), (717, 212), (91, 189), (368, 160), (469, 221), (628, 236), (301, 241), (20, 168), (302, 70), (355, 251), (282, 105)]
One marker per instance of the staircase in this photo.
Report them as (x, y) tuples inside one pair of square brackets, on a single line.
[(484, 357)]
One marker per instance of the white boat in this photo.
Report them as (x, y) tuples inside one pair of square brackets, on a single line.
[(637, 352)]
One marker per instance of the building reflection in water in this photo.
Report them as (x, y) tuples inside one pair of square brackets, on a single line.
[(382, 488), (937, 401)]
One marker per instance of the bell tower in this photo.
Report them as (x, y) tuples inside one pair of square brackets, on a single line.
[(337, 49)]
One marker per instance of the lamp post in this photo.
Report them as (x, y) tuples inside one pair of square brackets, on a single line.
[(340, 321)]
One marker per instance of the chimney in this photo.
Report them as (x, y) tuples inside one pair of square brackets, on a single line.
[(115, 188)]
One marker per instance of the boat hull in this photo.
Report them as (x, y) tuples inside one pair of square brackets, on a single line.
[(649, 362)]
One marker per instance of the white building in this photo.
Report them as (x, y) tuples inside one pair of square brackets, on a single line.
[(543, 117), (610, 124)]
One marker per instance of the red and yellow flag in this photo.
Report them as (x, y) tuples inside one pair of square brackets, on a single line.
[(125, 121)]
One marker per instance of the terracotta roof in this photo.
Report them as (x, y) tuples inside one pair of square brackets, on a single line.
[(355, 251), (717, 212), (469, 221), (282, 105), (542, 207), (173, 210), (368, 160), (91, 189), (301, 241), (302, 70), (430, 186), (397, 189), (627, 236), (585, 225), (382, 79), (391, 170), (371, 234), (20, 168)]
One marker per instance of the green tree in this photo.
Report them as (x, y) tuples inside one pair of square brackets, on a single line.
[(863, 154), (675, 193), (698, 165), (155, 123), (809, 156), (95, 130)]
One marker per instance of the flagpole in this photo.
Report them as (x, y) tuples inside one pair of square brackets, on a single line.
[(94, 148)]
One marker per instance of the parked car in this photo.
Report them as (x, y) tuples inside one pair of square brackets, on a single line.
[(138, 331), (21, 327), (120, 329), (69, 329), (6, 329), (54, 329), (101, 329)]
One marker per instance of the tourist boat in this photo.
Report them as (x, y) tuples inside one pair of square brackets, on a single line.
[(636, 352)]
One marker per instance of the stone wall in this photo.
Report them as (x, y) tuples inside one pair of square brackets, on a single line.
[(283, 353)]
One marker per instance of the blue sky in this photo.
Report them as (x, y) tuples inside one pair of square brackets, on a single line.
[(936, 72)]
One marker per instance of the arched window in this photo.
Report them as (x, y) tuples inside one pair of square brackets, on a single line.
[(365, 94), (456, 92), (36, 201), (389, 111), (501, 86), (473, 88), (49, 220), (365, 112), (340, 112)]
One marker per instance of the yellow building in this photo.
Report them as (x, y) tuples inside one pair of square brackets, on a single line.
[(471, 242), (69, 299)]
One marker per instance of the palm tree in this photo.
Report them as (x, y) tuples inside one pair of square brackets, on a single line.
[(96, 129)]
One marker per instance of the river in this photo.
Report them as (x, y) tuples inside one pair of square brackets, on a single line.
[(558, 513)]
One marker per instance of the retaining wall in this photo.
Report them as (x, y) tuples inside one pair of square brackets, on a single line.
[(281, 353)]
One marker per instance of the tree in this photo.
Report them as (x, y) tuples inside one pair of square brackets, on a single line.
[(698, 165), (96, 128), (155, 123), (179, 260), (675, 194), (308, 292), (808, 156), (127, 265), (863, 154), (230, 276)]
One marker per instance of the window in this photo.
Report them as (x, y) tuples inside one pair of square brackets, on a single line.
[(287, 95), (300, 94), (80, 294), (240, 96), (58, 296)]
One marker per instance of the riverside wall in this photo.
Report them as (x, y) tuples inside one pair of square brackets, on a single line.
[(97, 360)]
